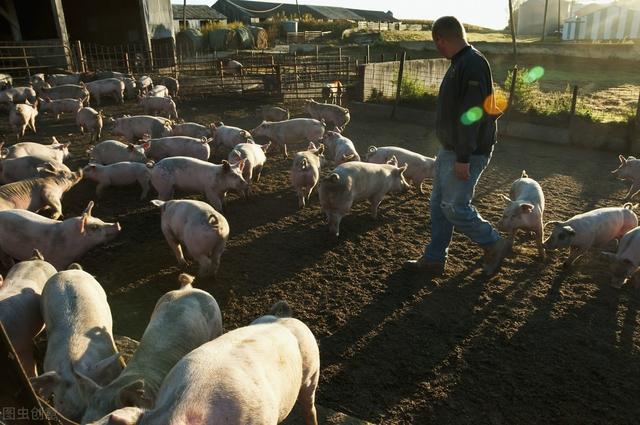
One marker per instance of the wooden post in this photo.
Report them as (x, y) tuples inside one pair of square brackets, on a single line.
[(399, 87), (279, 82), (574, 100), (340, 53), (295, 74), (544, 21), (81, 63), (126, 63), (513, 32), (368, 57), (317, 54), (221, 76), (381, 57), (395, 57), (512, 91)]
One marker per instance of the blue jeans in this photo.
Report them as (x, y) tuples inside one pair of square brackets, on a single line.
[(451, 206)]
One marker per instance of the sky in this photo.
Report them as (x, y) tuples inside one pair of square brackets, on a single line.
[(486, 13)]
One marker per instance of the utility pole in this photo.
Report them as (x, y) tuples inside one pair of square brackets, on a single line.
[(298, 7), (184, 15), (544, 21), (559, 9)]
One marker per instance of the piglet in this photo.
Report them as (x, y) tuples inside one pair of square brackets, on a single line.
[(22, 116), (625, 262), (60, 106), (629, 169), (165, 147), (112, 151), (250, 375), (594, 228), (197, 227), (356, 181), (524, 210), (79, 340), (305, 172), (254, 156), (419, 167), (119, 174), (340, 148), (20, 306), (90, 120)]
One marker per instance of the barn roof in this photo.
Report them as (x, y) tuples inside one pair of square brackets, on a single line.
[(329, 12), (374, 15), (196, 12)]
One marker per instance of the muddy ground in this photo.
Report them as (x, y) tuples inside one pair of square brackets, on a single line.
[(534, 344)]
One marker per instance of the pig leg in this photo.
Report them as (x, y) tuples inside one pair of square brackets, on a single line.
[(573, 256), (101, 187), (144, 184), (214, 200), (81, 129), (286, 154), (375, 203), (307, 400), (633, 190), (27, 361), (166, 193), (32, 124), (52, 200), (539, 237), (174, 244), (205, 268), (258, 173), (301, 197), (334, 223)]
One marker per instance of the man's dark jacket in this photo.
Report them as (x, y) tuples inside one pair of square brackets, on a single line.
[(467, 84)]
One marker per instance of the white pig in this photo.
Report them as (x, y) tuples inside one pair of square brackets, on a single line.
[(305, 172), (294, 131), (625, 262), (251, 375), (66, 91), (133, 128), (195, 176), (20, 306), (524, 210), (334, 115), (227, 137), (340, 148), (255, 157), (119, 174), (419, 167), (144, 84), (61, 242), (26, 167), (39, 193), (157, 105), (166, 147), (272, 113), (61, 79), (22, 116), (88, 119), (130, 88), (192, 129), (112, 151), (60, 106), (18, 95), (113, 87), (196, 226), (629, 169), (158, 91), (79, 340), (55, 152), (182, 320), (591, 229), (356, 181)]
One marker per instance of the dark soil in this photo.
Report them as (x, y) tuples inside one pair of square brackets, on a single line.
[(534, 344)]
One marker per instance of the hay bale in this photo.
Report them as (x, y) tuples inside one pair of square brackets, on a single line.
[(260, 37), (245, 38), (189, 41), (223, 39)]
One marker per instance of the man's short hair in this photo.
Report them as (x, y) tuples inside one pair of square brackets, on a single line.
[(448, 27)]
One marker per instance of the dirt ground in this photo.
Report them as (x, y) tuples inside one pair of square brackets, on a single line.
[(534, 344)]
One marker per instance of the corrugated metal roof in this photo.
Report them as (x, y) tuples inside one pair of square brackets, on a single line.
[(374, 15), (196, 12), (328, 12)]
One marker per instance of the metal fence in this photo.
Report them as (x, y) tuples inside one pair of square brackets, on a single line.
[(23, 59)]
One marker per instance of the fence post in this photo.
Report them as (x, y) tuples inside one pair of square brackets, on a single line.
[(317, 54), (400, 72), (80, 56), (279, 82), (295, 75), (340, 53), (221, 76), (368, 57), (512, 91), (574, 99), (381, 57)]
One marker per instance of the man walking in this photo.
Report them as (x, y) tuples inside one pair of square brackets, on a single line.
[(466, 128)]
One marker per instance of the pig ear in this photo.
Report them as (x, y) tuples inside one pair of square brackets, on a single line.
[(240, 164), (104, 366), (131, 146), (311, 146), (125, 416), (226, 167), (320, 149), (349, 157), (554, 222), (1, 281), (146, 146), (133, 395), (37, 255), (526, 208), (87, 211), (505, 197), (157, 203), (569, 230), (88, 386), (185, 280), (46, 383), (403, 168), (393, 160), (54, 140), (265, 147), (372, 149), (245, 134), (622, 159)]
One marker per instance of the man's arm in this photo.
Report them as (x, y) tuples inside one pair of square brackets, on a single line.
[(473, 91)]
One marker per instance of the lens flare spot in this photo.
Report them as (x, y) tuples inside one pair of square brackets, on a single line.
[(471, 116), (495, 104), (534, 74)]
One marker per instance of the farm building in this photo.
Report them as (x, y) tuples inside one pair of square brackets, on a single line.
[(529, 16), (610, 22), (254, 12), (196, 16)]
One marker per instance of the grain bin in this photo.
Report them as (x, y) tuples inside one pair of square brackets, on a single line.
[(290, 26)]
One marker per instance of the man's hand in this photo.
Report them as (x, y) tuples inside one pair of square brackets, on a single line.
[(461, 170)]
